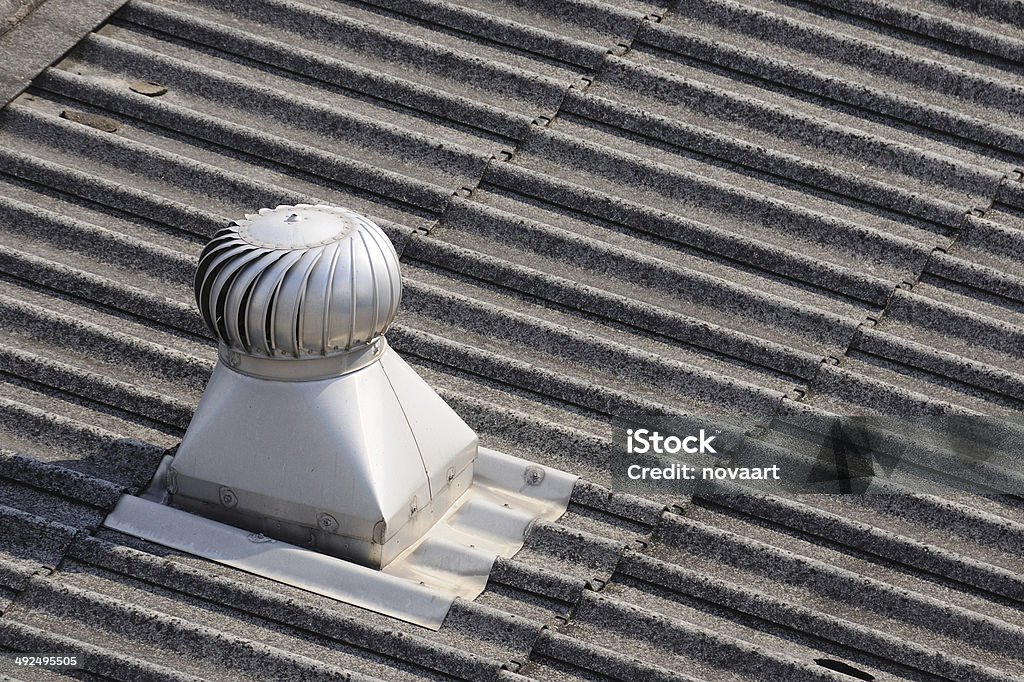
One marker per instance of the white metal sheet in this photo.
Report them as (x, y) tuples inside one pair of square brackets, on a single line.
[(253, 553), (492, 519), (453, 559)]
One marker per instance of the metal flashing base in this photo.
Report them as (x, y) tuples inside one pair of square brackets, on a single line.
[(453, 559), (357, 465)]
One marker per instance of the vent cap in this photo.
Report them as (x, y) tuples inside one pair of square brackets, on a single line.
[(299, 281)]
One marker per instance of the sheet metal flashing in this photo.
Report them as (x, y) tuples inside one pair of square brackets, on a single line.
[(452, 560)]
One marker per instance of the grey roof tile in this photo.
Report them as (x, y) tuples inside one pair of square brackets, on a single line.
[(808, 569), (232, 591), (988, 27), (55, 506), (142, 630), (104, 662), (33, 34), (682, 640), (780, 622), (602, 209), (807, 52)]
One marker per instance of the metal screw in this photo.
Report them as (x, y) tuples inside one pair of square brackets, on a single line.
[(414, 505), (451, 474), (228, 497), (327, 523), (534, 475)]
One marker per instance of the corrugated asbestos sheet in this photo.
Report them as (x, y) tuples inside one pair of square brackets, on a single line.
[(602, 209)]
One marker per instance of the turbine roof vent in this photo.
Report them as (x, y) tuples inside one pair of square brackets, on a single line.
[(314, 437), (311, 429), (298, 281)]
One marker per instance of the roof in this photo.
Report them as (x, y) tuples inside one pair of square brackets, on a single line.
[(601, 209)]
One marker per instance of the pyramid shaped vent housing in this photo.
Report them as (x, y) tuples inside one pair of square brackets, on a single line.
[(311, 429)]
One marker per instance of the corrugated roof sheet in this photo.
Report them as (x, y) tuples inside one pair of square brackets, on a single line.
[(722, 207)]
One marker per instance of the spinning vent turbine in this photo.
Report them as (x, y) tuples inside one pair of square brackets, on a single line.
[(311, 429)]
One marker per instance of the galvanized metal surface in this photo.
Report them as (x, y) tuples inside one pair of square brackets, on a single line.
[(299, 281), (452, 560), (508, 496), (357, 465), (312, 430)]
